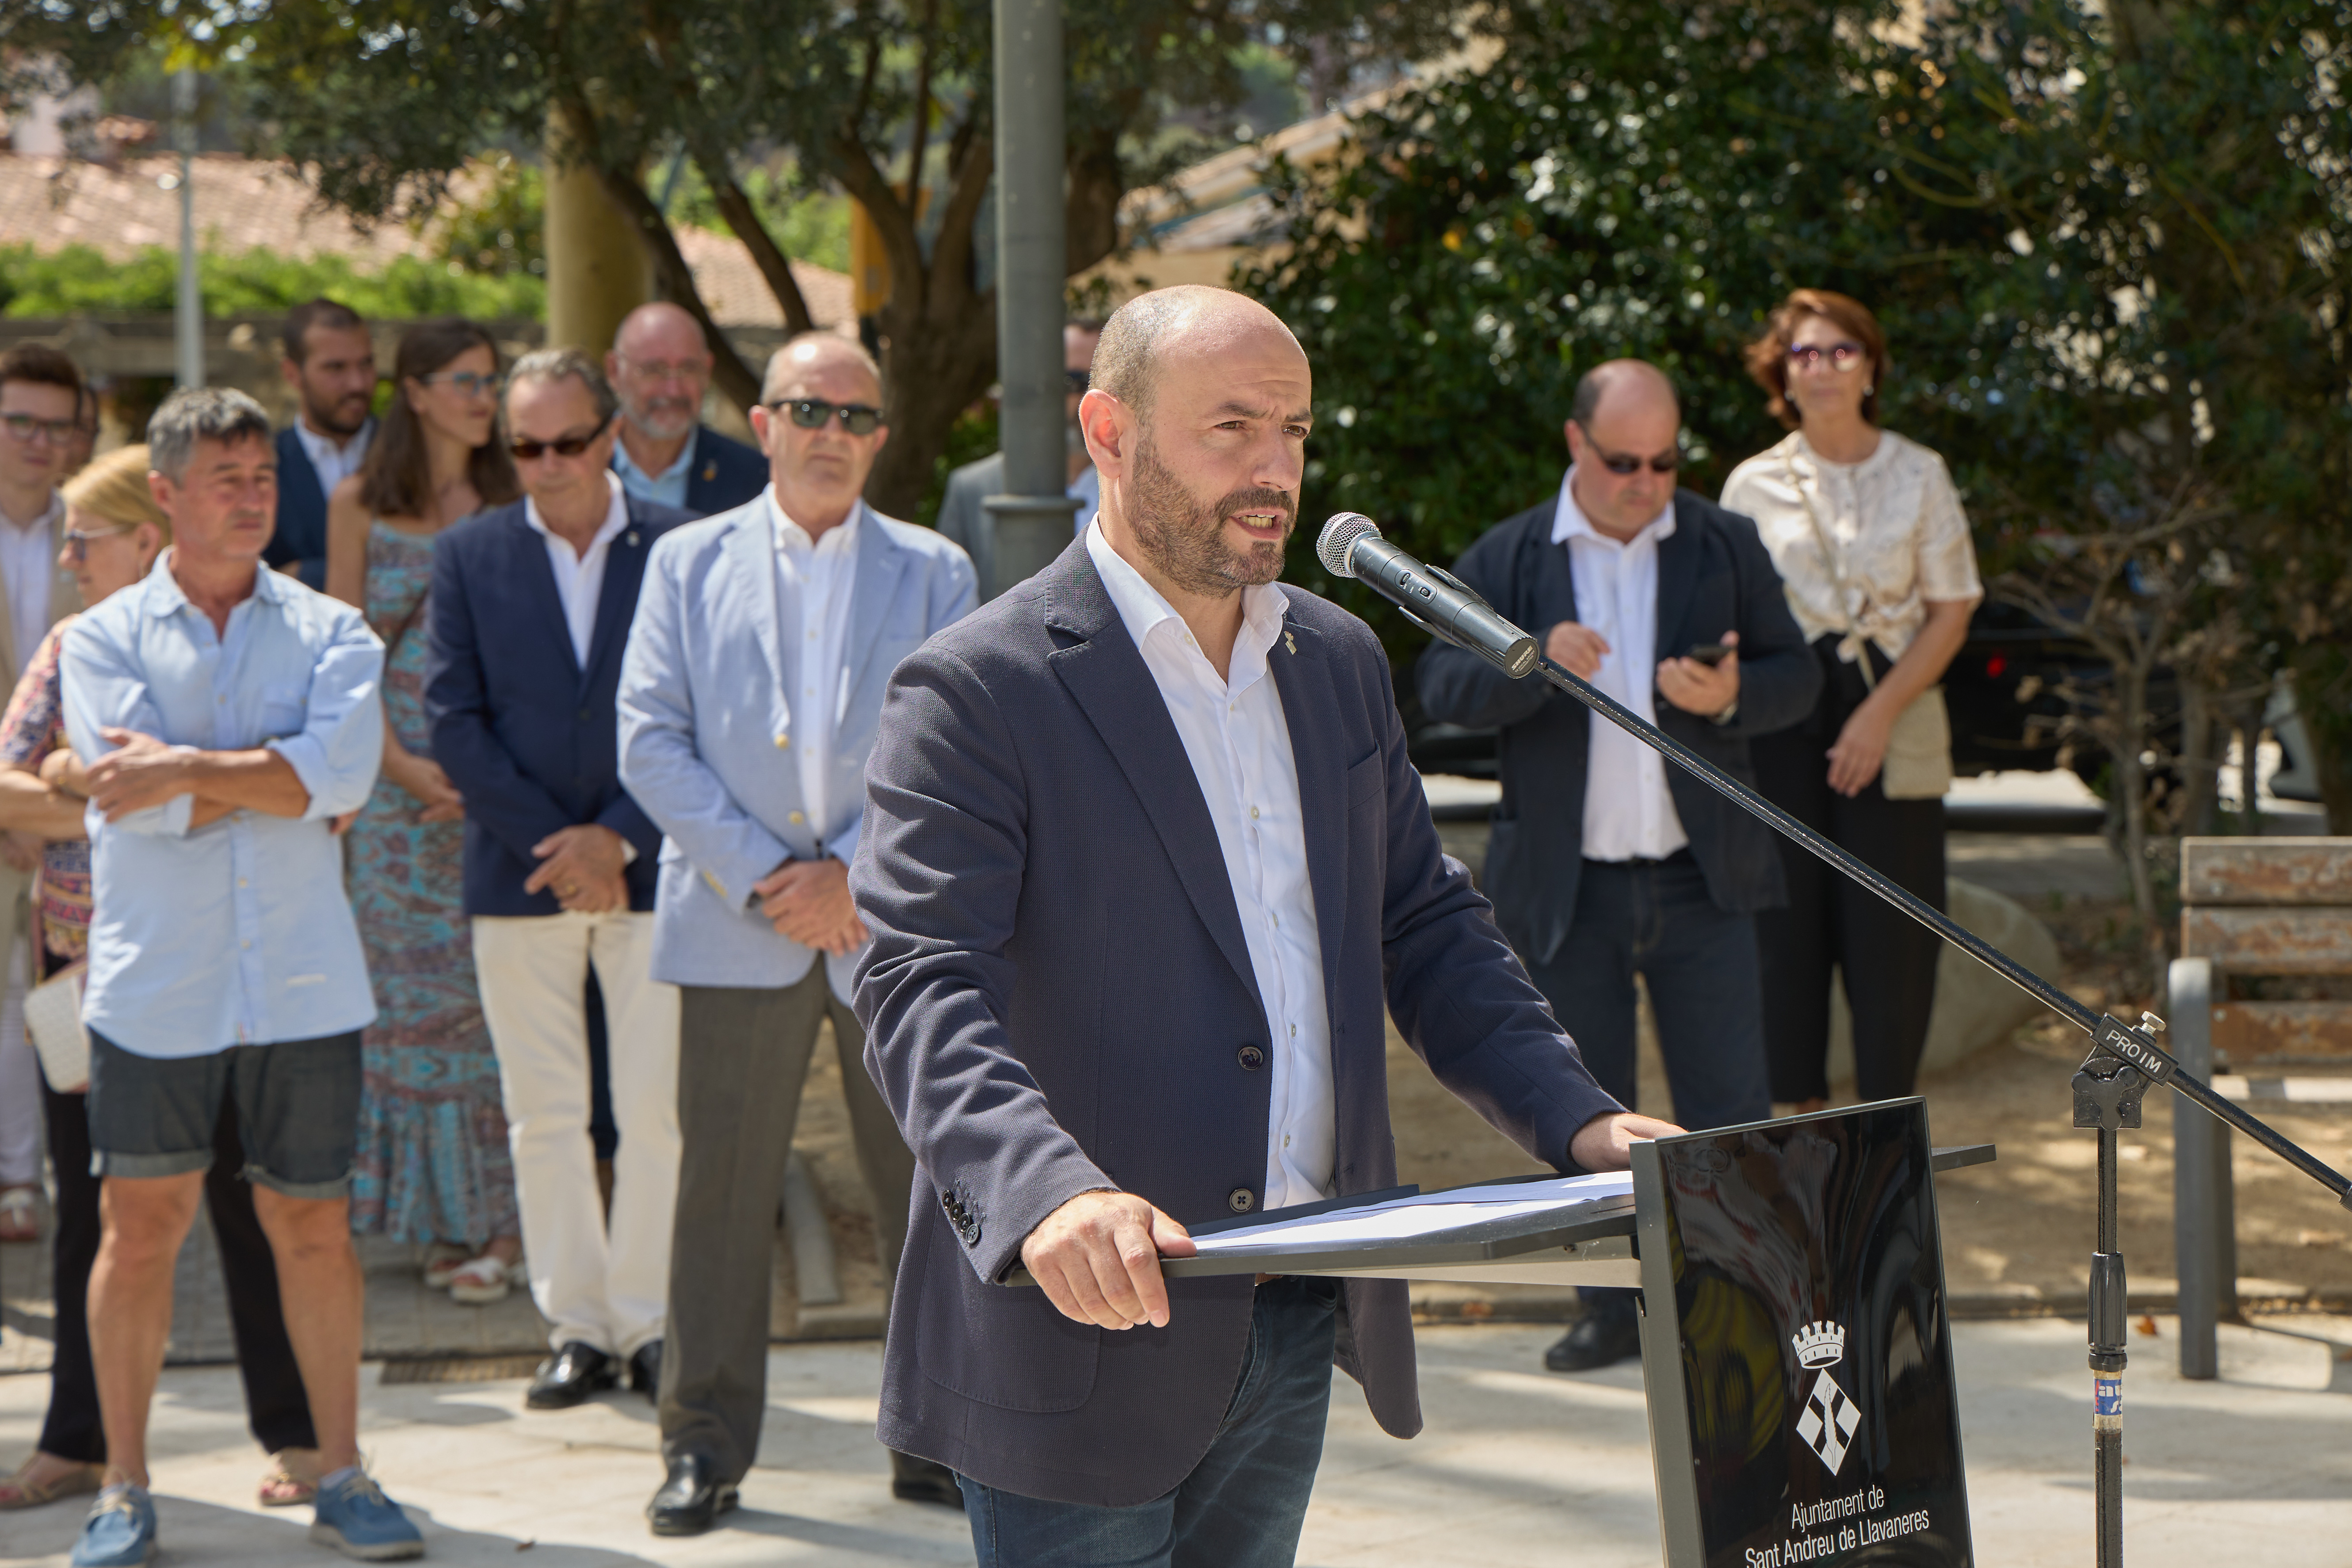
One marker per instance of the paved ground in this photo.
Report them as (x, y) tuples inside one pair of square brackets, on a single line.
[(1516, 1466)]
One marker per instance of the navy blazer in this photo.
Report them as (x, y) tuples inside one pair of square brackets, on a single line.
[(300, 539), (1713, 576), (726, 474), (1058, 998), (530, 739)]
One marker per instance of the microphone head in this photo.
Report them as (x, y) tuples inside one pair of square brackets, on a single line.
[(1340, 535)]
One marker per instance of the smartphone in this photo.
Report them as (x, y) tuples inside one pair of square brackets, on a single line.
[(1709, 653)]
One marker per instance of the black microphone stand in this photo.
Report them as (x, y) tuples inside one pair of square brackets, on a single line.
[(2124, 1060)]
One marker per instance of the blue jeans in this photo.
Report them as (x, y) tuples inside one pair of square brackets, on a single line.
[(1243, 1504)]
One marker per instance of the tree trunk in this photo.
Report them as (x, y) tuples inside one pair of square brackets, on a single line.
[(595, 268), (932, 378), (2131, 801), (2200, 760)]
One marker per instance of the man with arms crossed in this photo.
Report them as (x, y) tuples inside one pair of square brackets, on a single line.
[(1143, 860), (531, 604), (229, 716), (749, 696)]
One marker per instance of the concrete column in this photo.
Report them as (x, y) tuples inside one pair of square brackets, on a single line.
[(596, 266)]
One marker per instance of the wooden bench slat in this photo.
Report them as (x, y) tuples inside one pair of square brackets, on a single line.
[(2258, 1034), (2271, 941), (2266, 871)]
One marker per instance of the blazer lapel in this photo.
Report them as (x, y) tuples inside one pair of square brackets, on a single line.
[(625, 571), (881, 564), (1677, 581), (538, 575), (1301, 670), (751, 551), (1106, 673)]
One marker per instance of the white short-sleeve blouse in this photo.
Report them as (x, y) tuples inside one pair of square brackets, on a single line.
[(1896, 520)]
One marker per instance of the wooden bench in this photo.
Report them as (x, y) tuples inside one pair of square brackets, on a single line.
[(2251, 908)]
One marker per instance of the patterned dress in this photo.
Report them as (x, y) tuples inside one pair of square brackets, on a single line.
[(433, 1163), (34, 726)]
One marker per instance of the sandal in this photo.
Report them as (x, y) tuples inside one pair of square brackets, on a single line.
[(20, 1214), (20, 1490), (481, 1282), (281, 1488), (443, 1258)]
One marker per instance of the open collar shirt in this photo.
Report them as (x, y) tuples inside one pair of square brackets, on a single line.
[(238, 932), (1238, 741), (1628, 812), (667, 487), (28, 564), (333, 464), (580, 574), (815, 580)]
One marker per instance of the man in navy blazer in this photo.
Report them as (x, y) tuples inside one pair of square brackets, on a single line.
[(661, 367), (1145, 868), (531, 606), (329, 359)]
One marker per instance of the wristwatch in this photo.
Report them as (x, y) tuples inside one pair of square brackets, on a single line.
[(1729, 713)]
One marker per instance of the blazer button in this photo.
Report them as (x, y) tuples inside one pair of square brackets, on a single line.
[(1250, 1058), (584, 715), (784, 743), (796, 819), (1241, 1200)]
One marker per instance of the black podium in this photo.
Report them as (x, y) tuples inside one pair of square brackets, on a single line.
[(1795, 1345)]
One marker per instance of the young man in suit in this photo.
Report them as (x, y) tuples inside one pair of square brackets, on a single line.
[(1145, 866), (962, 516), (531, 606), (1607, 862), (330, 361), (661, 367), (749, 699)]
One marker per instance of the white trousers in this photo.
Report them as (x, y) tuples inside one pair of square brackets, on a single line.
[(604, 1284)]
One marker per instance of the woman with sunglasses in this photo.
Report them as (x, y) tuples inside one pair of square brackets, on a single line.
[(113, 532), (1866, 529), (433, 1163)]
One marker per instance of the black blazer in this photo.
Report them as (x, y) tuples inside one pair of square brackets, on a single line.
[(300, 539), (529, 737), (1713, 576), (1058, 998)]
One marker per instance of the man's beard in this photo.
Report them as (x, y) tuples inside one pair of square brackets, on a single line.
[(345, 419), (664, 419), (1186, 538)]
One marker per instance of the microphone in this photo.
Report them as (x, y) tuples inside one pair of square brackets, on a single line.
[(1351, 546)]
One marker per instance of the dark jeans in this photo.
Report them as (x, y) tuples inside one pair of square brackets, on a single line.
[(1656, 918), (1244, 1503), (1888, 959), (274, 1401)]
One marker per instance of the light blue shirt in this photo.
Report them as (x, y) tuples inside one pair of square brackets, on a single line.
[(669, 487), (237, 932)]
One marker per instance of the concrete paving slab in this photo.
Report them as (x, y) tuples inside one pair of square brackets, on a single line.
[(1516, 1466)]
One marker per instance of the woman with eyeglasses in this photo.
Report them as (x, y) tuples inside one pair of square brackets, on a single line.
[(434, 1163), (113, 532), (1873, 547)]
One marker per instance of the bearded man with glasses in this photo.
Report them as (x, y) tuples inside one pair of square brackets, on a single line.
[(660, 367), (749, 696), (1604, 861)]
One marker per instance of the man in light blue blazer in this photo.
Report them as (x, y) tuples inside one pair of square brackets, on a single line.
[(750, 695)]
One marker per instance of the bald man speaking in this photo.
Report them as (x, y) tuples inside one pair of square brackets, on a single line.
[(1143, 862)]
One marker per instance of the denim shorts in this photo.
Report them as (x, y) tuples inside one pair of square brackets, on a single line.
[(298, 1111)]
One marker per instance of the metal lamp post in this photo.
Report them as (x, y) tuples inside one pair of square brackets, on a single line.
[(189, 321)]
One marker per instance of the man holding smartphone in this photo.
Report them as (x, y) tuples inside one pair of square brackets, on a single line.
[(1606, 861)]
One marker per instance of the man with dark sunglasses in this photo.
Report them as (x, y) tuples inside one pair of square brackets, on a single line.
[(964, 516), (1606, 861)]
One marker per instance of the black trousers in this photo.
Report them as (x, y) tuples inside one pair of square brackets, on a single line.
[(274, 1400), (1888, 960)]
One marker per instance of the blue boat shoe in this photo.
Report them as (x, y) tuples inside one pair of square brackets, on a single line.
[(357, 1519), (120, 1532)]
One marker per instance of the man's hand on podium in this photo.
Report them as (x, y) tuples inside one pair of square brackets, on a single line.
[(1606, 1142), (1097, 1259)]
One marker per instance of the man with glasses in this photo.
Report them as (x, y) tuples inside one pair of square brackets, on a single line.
[(962, 516), (530, 608), (750, 697), (1605, 860), (329, 359), (661, 368)]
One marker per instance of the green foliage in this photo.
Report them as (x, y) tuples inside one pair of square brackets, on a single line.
[(504, 230), (810, 225), (973, 437), (257, 283)]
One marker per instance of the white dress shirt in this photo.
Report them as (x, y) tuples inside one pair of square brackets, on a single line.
[(29, 562), (815, 579), (1239, 744), (579, 575), (1628, 815), (334, 464)]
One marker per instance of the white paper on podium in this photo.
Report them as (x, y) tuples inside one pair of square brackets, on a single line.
[(1403, 1220)]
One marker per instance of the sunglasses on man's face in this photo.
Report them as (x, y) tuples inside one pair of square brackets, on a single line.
[(810, 414), (563, 445), (1623, 463)]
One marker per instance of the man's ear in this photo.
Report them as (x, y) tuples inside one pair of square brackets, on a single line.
[(1102, 419), (1575, 441), (761, 418)]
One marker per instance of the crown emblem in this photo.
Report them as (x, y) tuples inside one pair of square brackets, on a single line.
[(1818, 1344)]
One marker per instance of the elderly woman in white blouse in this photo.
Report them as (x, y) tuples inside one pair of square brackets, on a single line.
[(1873, 549)]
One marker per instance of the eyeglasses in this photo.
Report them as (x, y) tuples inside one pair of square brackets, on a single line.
[(1843, 356), (77, 541), (24, 427), (668, 370), (811, 413), (527, 451), (470, 384), (1079, 381), (1621, 463)]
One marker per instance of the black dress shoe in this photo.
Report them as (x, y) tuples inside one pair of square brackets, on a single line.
[(569, 1377), (914, 1479), (644, 1370), (691, 1499), (1597, 1341)]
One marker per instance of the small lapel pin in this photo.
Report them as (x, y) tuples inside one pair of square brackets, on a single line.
[(1289, 643), (631, 539), (709, 473)]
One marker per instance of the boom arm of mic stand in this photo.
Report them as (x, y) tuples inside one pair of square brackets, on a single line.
[(2110, 1035)]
